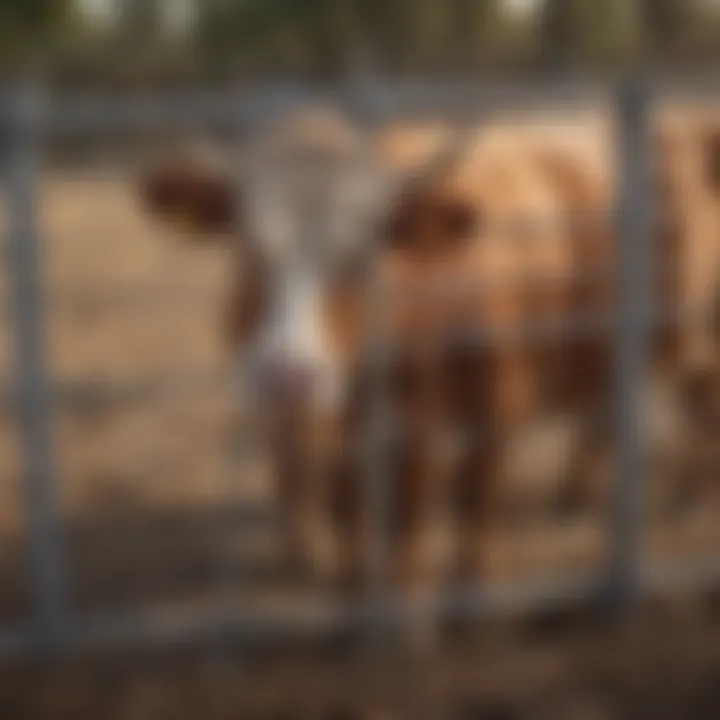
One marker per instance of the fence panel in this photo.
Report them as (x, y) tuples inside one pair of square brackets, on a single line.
[(34, 395)]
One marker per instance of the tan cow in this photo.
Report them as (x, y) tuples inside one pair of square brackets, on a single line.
[(526, 212)]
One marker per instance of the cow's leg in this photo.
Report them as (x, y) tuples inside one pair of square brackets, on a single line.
[(398, 524), (494, 392), (352, 476), (477, 502), (696, 468), (425, 464), (318, 533), (304, 488), (350, 523), (289, 486), (420, 490), (583, 388), (419, 484), (698, 380), (579, 487), (402, 528)]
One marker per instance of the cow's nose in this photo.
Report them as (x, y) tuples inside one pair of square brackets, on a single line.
[(286, 380)]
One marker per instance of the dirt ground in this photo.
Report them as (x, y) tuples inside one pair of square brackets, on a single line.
[(663, 664)]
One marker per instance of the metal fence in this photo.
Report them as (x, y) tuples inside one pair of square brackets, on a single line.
[(55, 625)]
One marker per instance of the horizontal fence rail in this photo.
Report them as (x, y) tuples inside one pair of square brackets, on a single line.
[(99, 392), (108, 114), (310, 619), (28, 120)]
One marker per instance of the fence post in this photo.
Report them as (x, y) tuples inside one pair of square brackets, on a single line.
[(34, 403), (366, 102), (634, 287)]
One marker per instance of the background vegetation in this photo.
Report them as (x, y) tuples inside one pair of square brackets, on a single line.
[(141, 41)]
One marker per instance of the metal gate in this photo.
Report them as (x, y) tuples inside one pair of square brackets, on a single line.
[(56, 626)]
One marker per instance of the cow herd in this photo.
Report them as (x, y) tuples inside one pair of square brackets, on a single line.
[(425, 294)]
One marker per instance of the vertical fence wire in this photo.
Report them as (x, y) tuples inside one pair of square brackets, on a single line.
[(38, 471), (375, 469), (238, 447), (634, 288)]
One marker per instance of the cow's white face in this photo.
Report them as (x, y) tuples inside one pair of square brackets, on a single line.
[(309, 200), (301, 204)]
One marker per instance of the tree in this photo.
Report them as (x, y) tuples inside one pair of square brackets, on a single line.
[(665, 22), (589, 34), (322, 36), (141, 21), (558, 34), (29, 28)]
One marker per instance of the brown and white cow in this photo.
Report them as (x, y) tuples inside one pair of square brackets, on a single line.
[(292, 210), (504, 217)]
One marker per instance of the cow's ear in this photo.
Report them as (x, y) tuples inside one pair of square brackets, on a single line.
[(198, 198), (711, 158)]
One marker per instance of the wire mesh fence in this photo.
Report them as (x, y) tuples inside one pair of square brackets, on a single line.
[(35, 395)]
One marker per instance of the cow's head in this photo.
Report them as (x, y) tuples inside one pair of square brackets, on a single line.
[(295, 205), (513, 222), (485, 209)]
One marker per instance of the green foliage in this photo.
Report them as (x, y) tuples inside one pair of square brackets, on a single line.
[(140, 21), (32, 27), (665, 23), (322, 37)]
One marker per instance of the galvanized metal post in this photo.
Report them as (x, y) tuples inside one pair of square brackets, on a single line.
[(634, 286), (374, 466), (34, 404), (376, 469)]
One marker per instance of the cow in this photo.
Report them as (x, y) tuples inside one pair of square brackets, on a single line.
[(526, 211), (291, 209), (520, 215)]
